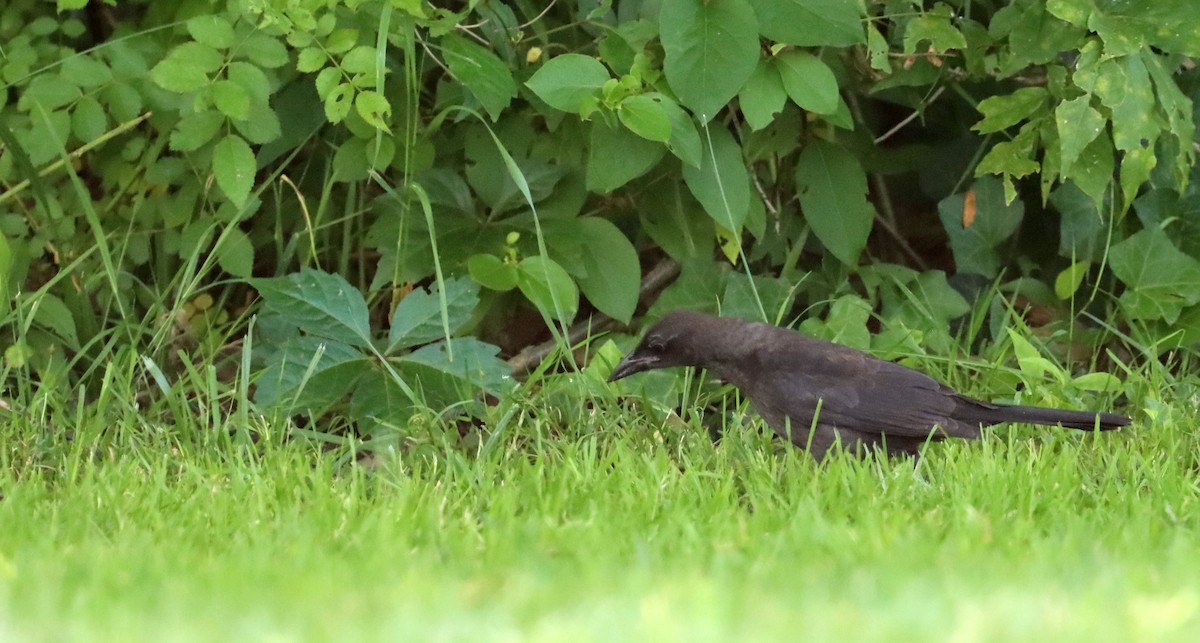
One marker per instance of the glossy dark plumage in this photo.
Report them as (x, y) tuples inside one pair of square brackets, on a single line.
[(864, 401)]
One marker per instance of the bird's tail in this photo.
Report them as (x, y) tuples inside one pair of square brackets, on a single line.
[(1083, 420)]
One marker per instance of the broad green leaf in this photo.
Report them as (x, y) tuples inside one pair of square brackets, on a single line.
[(763, 96), (338, 102), (264, 50), (310, 59), (86, 71), (492, 272), (613, 272), (475, 365), (360, 60), (645, 116), (234, 168), (195, 131), (1093, 170), (481, 71), (546, 285), (213, 30), (230, 99), (186, 67), (49, 91), (710, 48), (290, 362), (1097, 382), (685, 140), (235, 255), (721, 183), (808, 81), (1160, 281), (1081, 234), (934, 28), (810, 23), (417, 319), (1002, 112), (994, 223), (88, 120), (252, 79), (261, 124), (1078, 125), (676, 222), (320, 304), (374, 109), (1029, 359), (832, 189), (616, 156), (566, 81), (1068, 281)]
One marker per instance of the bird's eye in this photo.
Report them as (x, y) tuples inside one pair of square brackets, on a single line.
[(656, 345)]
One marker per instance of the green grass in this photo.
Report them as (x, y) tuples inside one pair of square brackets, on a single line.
[(601, 527)]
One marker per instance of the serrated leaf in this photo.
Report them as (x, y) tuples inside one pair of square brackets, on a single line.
[(417, 319), (338, 103), (290, 362), (832, 189), (230, 99), (710, 49), (318, 303), (213, 30), (475, 365), (1002, 112), (235, 255), (310, 59), (88, 120), (565, 81), (186, 67), (264, 50), (234, 168), (1078, 125)]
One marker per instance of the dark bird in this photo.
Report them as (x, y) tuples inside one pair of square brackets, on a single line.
[(818, 394)]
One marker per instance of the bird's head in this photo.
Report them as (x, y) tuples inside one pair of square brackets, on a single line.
[(678, 339)]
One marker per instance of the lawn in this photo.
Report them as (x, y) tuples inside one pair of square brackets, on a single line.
[(606, 527)]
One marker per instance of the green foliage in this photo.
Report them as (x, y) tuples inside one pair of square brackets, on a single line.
[(318, 352), (155, 153)]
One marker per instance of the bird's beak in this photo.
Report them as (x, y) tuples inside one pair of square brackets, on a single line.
[(633, 363)]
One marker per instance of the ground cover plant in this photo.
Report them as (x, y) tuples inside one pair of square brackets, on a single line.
[(306, 308)]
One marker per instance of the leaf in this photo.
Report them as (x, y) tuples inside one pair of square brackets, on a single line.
[(230, 99), (213, 30), (975, 247), (616, 156), (833, 195), (1078, 125), (721, 183), (310, 59), (1002, 112), (195, 130), (676, 222), (417, 319), (685, 140), (1029, 360), (318, 303), (546, 285), (613, 272), (475, 364), (374, 109), (234, 168), (763, 96), (808, 81), (1068, 281), (488, 78), (810, 23), (566, 82), (1160, 281), (264, 50), (290, 362), (492, 272), (235, 255), (50, 91), (645, 116), (88, 121), (186, 67), (339, 101), (710, 48)]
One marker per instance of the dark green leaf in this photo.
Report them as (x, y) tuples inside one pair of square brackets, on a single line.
[(994, 222), (645, 116), (318, 303), (711, 49), (808, 81), (234, 168), (763, 96), (616, 156), (417, 319), (475, 364), (613, 272), (492, 272), (721, 183), (546, 285), (235, 255), (810, 23), (1160, 281), (488, 78), (833, 195)]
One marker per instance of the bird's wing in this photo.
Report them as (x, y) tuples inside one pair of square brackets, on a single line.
[(856, 391)]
